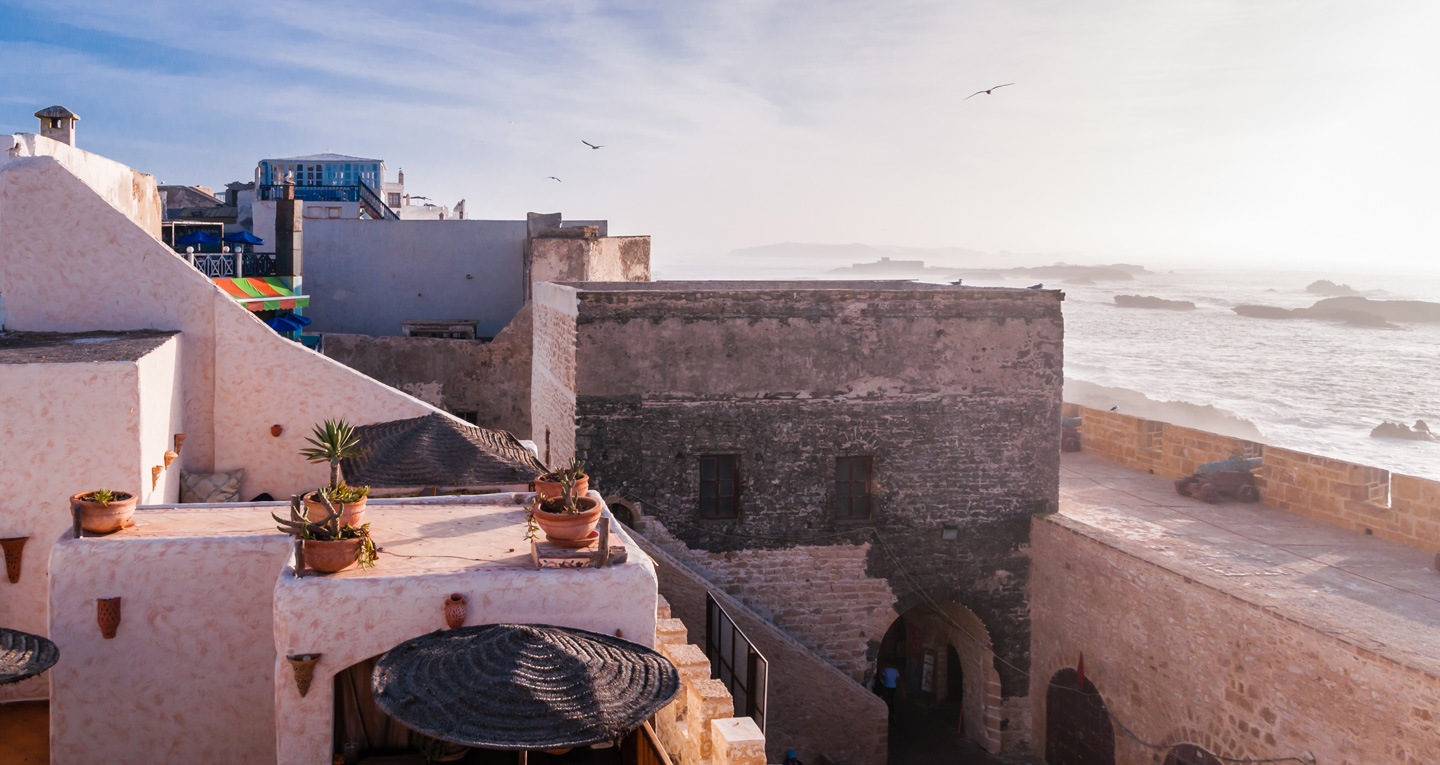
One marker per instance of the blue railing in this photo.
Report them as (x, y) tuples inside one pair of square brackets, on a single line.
[(377, 207), (311, 193)]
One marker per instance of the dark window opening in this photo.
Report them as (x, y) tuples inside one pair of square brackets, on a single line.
[(720, 486), (469, 417), (852, 487)]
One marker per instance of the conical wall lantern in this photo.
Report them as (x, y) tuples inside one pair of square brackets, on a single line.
[(303, 665), (13, 547), (107, 612)]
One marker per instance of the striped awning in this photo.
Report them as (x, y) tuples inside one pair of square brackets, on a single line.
[(262, 293)]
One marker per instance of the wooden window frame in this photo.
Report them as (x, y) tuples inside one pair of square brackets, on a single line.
[(869, 462), (735, 491)]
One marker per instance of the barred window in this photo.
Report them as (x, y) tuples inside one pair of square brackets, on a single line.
[(852, 487), (720, 486)]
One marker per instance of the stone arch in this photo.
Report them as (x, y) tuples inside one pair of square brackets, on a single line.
[(1078, 730), (1190, 754), (949, 625), (624, 510)]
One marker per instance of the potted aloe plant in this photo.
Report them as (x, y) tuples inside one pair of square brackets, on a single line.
[(550, 486), (332, 441), (104, 510), (328, 545), (569, 519)]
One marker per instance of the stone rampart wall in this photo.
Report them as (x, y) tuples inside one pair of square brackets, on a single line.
[(1178, 661), (1371, 500)]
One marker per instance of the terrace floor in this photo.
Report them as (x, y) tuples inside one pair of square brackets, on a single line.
[(1381, 596)]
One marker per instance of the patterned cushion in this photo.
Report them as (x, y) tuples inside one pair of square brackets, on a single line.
[(211, 487)]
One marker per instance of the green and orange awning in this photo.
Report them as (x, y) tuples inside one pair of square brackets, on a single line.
[(262, 293)]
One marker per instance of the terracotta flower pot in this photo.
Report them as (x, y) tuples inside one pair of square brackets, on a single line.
[(13, 547), (550, 489), (351, 513), (455, 610), (107, 613), (570, 527), (98, 518), (329, 557)]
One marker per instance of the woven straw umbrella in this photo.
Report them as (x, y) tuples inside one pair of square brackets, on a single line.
[(523, 687), (24, 656)]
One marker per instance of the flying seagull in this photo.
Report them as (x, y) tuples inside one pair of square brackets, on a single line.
[(553, 178), (591, 145), (986, 92)]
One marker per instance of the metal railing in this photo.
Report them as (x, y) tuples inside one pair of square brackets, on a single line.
[(372, 202), (259, 264), (735, 661), (273, 192), (218, 265)]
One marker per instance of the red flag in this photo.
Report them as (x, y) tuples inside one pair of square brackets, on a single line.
[(1080, 671)]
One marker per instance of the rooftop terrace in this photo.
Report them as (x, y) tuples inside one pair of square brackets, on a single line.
[(1378, 595)]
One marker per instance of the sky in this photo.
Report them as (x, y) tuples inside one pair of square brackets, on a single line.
[(1275, 133)]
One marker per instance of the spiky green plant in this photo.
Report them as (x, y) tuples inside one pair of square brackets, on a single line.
[(328, 529), (332, 441), (105, 496)]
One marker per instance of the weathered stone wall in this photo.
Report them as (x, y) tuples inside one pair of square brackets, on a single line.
[(579, 254), (955, 393), (815, 708), (552, 373), (1179, 661), (490, 379), (1362, 498)]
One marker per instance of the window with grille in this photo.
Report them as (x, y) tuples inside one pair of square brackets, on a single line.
[(852, 487), (720, 486)]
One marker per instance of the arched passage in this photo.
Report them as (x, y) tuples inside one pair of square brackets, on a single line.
[(947, 679), (1190, 754), (1078, 730)]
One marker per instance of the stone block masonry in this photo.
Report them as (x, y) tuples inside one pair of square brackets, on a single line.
[(1180, 661), (953, 395)]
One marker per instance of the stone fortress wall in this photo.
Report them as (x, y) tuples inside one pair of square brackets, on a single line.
[(1371, 500)]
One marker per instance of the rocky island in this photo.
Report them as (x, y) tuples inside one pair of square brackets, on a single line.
[(1146, 301)]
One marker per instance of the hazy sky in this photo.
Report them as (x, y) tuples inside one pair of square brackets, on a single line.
[(1258, 131)]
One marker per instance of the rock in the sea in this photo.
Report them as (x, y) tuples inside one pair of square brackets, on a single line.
[(1352, 316), (1389, 310), (1146, 301), (1265, 312), (1327, 287), (1421, 432)]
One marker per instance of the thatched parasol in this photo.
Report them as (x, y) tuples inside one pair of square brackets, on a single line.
[(523, 686), (23, 656), (435, 450)]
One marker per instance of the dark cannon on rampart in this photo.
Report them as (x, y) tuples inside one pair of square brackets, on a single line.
[(1223, 478)]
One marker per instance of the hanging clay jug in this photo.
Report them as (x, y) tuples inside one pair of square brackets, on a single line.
[(13, 546), (455, 610), (304, 666), (107, 612)]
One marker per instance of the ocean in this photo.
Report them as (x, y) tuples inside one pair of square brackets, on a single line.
[(1311, 385)]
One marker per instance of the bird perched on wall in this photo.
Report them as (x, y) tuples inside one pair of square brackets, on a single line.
[(591, 145), (553, 178), (1113, 408), (986, 92), (1036, 287)]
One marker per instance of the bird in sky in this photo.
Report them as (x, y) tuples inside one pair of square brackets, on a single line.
[(553, 178), (986, 92), (591, 145)]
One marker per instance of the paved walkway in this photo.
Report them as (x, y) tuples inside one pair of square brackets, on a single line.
[(1379, 595)]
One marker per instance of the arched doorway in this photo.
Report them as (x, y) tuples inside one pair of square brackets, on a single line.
[(1189, 754), (1078, 730), (944, 661), (954, 700)]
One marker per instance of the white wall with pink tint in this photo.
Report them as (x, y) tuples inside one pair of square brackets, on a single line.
[(131, 192), (188, 676)]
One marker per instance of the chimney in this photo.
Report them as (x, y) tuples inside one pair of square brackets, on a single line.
[(289, 225), (58, 123)]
